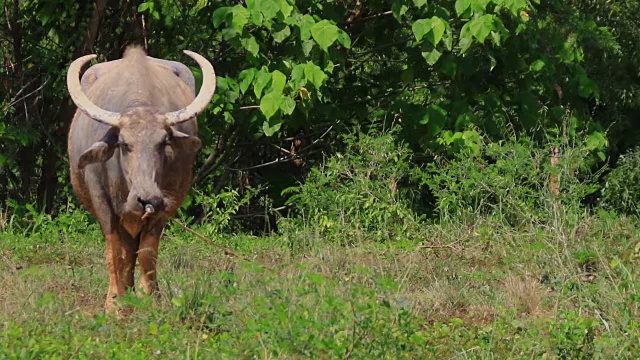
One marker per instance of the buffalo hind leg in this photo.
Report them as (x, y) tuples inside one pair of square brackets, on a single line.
[(121, 260), (148, 257)]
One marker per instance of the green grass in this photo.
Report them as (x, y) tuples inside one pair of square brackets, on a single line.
[(459, 291)]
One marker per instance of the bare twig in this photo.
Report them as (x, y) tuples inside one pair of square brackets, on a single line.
[(207, 240), (286, 158), (282, 149), (248, 107), (26, 96), (372, 16), (446, 246)]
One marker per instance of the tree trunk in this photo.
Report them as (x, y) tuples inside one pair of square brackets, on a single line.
[(48, 186)]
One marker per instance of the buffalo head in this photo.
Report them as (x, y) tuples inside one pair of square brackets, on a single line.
[(146, 139)]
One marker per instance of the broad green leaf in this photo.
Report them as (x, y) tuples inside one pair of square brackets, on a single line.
[(246, 78), (314, 74), (263, 79), (421, 27), (399, 8), (219, 16), (479, 6), (144, 6), (278, 81), (324, 33), (251, 45), (596, 140), (280, 35), (437, 30), (432, 56), (481, 27), (297, 76), (269, 129), (344, 39), (256, 17), (268, 8), (462, 6), (307, 46), (537, 65), (270, 103), (285, 8), (239, 17), (305, 26), (419, 3), (432, 28), (466, 38), (287, 105)]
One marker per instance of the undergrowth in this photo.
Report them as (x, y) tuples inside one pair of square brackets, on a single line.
[(507, 270)]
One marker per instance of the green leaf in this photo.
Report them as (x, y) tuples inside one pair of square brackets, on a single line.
[(278, 81), (305, 26), (419, 3), (596, 141), (398, 9), (144, 6), (479, 6), (437, 29), (537, 65), (246, 78), (268, 8), (432, 28), (462, 6), (285, 8), (263, 79), (297, 76), (288, 105), (251, 45), (307, 46), (344, 39), (466, 38), (314, 74), (269, 130), (280, 35), (481, 27), (325, 34), (432, 56), (240, 17), (421, 27), (270, 103)]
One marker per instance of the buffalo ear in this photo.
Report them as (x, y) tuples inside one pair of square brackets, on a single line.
[(102, 150), (192, 142)]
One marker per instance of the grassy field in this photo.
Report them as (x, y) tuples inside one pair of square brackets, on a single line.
[(473, 290)]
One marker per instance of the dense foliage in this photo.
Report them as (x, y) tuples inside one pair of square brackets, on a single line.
[(295, 75)]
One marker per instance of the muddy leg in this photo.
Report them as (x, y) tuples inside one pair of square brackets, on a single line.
[(148, 256), (121, 260)]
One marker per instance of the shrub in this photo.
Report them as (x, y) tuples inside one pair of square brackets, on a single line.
[(359, 193), (509, 180), (621, 189)]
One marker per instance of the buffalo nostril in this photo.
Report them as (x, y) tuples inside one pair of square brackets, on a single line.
[(154, 202)]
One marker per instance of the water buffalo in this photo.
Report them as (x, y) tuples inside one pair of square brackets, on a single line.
[(132, 144)]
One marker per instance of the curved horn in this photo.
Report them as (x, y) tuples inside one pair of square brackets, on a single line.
[(200, 103), (80, 98)]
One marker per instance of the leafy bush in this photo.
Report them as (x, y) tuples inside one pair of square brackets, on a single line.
[(621, 190), (359, 191), (509, 180)]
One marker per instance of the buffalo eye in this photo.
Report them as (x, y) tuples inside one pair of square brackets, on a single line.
[(124, 146)]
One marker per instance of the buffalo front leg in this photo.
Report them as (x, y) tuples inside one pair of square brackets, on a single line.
[(121, 260), (148, 257)]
